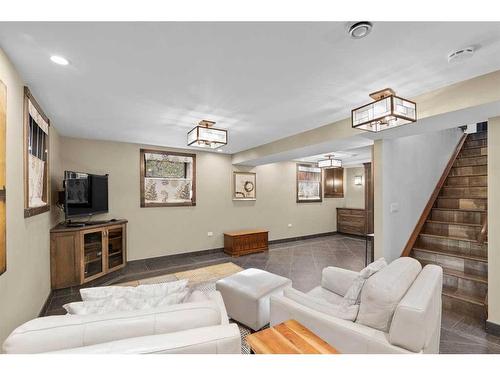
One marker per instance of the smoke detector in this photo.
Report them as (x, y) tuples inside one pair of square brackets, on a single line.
[(360, 29), (461, 55)]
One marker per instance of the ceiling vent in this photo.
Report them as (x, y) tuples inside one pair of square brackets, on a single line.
[(360, 29), (461, 55)]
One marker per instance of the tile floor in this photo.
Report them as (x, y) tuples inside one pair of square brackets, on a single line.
[(302, 262)]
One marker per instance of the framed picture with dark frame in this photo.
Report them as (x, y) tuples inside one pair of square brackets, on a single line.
[(36, 157), (309, 184), (244, 186), (168, 179)]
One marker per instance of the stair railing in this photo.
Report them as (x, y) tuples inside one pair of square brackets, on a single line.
[(428, 207)]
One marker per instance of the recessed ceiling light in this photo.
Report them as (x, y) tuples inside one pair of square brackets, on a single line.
[(360, 29), (59, 60), (461, 54)]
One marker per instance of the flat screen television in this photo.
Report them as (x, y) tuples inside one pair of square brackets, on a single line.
[(85, 194)]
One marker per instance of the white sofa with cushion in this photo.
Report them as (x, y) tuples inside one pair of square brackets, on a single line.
[(191, 327), (399, 311)]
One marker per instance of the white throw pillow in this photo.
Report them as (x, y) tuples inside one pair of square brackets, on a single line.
[(147, 290), (197, 296), (127, 303), (383, 291), (352, 296), (341, 311)]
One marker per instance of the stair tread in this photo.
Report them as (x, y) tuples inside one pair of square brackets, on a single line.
[(453, 223), (463, 297), (448, 237), (464, 275), (472, 147), (468, 166), (459, 209), (472, 156), (452, 254), (470, 175), (454, 197)]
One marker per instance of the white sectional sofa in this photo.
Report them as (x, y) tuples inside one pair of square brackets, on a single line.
[(399, 311), (193, 327)]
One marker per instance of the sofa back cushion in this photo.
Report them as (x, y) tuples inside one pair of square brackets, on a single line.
[(69, 331), (382, 292)]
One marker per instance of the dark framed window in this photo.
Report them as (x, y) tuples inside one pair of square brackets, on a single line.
[(36, 157), (167, 178)]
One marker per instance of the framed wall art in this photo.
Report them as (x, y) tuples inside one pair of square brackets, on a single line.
[(244, 186), (309, 187)]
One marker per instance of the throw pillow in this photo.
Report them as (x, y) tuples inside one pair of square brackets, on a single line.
[(148, 290), (352, 296), (126, 303)]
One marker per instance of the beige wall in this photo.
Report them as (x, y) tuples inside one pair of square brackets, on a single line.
[(354, 195), (162, 231), (25, 285), (494, 220)]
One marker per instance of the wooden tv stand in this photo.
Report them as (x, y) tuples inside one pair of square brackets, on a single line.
[(82, 254)]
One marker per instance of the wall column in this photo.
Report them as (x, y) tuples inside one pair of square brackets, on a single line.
[(494, 224), (378, 201)]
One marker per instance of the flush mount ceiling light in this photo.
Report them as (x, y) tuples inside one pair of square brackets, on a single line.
[(330, 162), (387, 111), (59, 60), (206, 136), (461, 55), (360, 29)]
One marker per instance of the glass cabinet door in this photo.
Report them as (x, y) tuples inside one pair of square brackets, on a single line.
[(116, 248), (93, 264)]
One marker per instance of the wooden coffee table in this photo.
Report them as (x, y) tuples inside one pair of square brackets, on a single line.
[(289, 337)]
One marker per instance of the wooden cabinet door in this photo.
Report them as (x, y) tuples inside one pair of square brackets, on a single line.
[(334, 183), (92, 245), (115, 248)]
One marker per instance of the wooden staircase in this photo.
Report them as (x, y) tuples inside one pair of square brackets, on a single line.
[(453, 231)]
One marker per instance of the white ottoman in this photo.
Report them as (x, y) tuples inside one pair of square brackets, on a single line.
[(246, 295)]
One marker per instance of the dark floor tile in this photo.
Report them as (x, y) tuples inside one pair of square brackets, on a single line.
[(475, 329), (455, 343), (304, 284), (134, 267), (260, 264), (279, 269)]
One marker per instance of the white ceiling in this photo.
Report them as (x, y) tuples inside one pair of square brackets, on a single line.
[(350, 158), (152, 82)]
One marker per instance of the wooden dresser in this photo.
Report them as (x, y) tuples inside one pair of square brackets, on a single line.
[(245, 242), (351, 221)]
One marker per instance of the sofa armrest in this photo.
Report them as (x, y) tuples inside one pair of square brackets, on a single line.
[(337, 280), (416, 324), (222, 339), (217, 298)]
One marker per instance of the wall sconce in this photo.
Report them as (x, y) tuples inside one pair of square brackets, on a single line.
[(358, 180)]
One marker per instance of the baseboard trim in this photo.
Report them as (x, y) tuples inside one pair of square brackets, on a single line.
[(45, 306), (221, 249), (493, 328), (301, 238)]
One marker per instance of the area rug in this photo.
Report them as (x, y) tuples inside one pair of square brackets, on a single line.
[(203, 279)]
